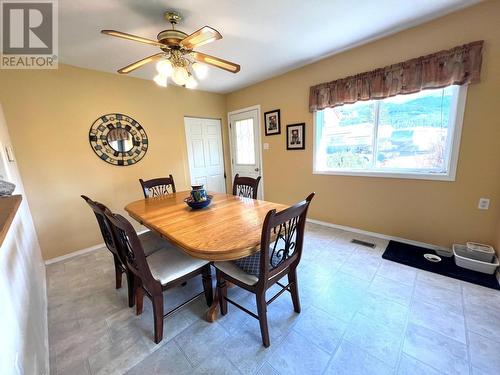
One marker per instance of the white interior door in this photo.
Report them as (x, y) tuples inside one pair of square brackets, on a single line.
[(206, 159), (244, 130)]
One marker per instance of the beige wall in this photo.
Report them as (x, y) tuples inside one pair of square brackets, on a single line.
[(23, 296), (429, 211), (49, 114)]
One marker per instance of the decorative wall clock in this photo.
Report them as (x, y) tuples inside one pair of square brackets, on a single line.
[(118, 139)]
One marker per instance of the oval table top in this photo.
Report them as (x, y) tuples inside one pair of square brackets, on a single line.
[(230, 228)]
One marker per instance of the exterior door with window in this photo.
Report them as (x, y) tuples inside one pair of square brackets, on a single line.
[(245, 145), (206, 160)]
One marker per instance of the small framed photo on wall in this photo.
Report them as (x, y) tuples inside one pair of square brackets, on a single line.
[(272, 122), (295, 137)]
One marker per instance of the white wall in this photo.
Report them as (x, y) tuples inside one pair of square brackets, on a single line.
[(23, 298)]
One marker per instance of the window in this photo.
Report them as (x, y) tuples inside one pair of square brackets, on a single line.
[(406, 136), (245, 142)]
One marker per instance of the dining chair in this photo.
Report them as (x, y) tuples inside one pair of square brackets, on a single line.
[(160, 271), (158, 186), (149, 240), (282, 236), (246, 186)]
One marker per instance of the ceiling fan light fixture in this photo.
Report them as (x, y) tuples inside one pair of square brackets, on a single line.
[(178, 59), (160, 80), (180, 75), (191, 83), (164, 67), (200, 70)]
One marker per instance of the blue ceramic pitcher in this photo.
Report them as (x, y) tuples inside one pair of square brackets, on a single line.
[(199, 194)]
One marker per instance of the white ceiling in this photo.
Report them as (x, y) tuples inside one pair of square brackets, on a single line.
[(266, 37)]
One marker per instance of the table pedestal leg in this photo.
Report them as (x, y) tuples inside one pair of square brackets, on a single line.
[(213, 309)]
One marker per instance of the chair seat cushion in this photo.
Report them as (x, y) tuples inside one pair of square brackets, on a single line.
[(151, 242), (231, 269), (251, 263), (169, 264)]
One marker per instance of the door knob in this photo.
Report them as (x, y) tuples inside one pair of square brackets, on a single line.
[(256, 169)]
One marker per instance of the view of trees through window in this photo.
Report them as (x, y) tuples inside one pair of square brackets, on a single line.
[(405, 133)]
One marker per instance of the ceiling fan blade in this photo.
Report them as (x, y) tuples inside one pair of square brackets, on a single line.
[(217, 62), (202, 36), (138, 64), (135, 38)]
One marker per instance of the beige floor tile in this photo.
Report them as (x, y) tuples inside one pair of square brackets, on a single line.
[(360, 315)]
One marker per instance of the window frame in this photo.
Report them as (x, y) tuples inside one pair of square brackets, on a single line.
[(455, 126)]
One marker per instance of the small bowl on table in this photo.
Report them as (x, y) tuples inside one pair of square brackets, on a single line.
[(198, 205)]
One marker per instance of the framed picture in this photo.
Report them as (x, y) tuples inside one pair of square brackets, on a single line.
[(272, 122), (295, 137)]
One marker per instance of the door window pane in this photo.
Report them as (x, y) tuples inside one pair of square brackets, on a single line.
[(245, 142)]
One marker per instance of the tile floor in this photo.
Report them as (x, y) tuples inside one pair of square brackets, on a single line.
[(360, 315)]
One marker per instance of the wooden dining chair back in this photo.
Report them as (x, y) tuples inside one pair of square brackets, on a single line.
[(158, 186), (281, 249), (246, 186), (108, 238), (162, 270), (131, 248), (283, 235)]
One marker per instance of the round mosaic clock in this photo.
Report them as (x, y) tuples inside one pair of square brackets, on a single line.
[(118, 139)]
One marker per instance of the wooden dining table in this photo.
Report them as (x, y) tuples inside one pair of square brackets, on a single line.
[(229, 228)]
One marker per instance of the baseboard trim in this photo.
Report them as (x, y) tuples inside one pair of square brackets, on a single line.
[(77, 253), (74, 254), (379, 235)]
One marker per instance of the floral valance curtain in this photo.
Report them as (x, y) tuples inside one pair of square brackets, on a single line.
[(456, 66)]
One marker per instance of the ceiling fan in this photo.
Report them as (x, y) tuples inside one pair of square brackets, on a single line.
[(178, 59)]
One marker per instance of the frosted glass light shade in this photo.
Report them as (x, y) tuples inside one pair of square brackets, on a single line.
[(164, 67), (180, 76), (191, 83), (201, 70), (160, 80)]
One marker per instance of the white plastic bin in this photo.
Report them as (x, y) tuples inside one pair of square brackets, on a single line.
[(479, 251), (462, 260)]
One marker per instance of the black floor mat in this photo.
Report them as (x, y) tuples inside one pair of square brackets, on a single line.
[(413, 256)]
